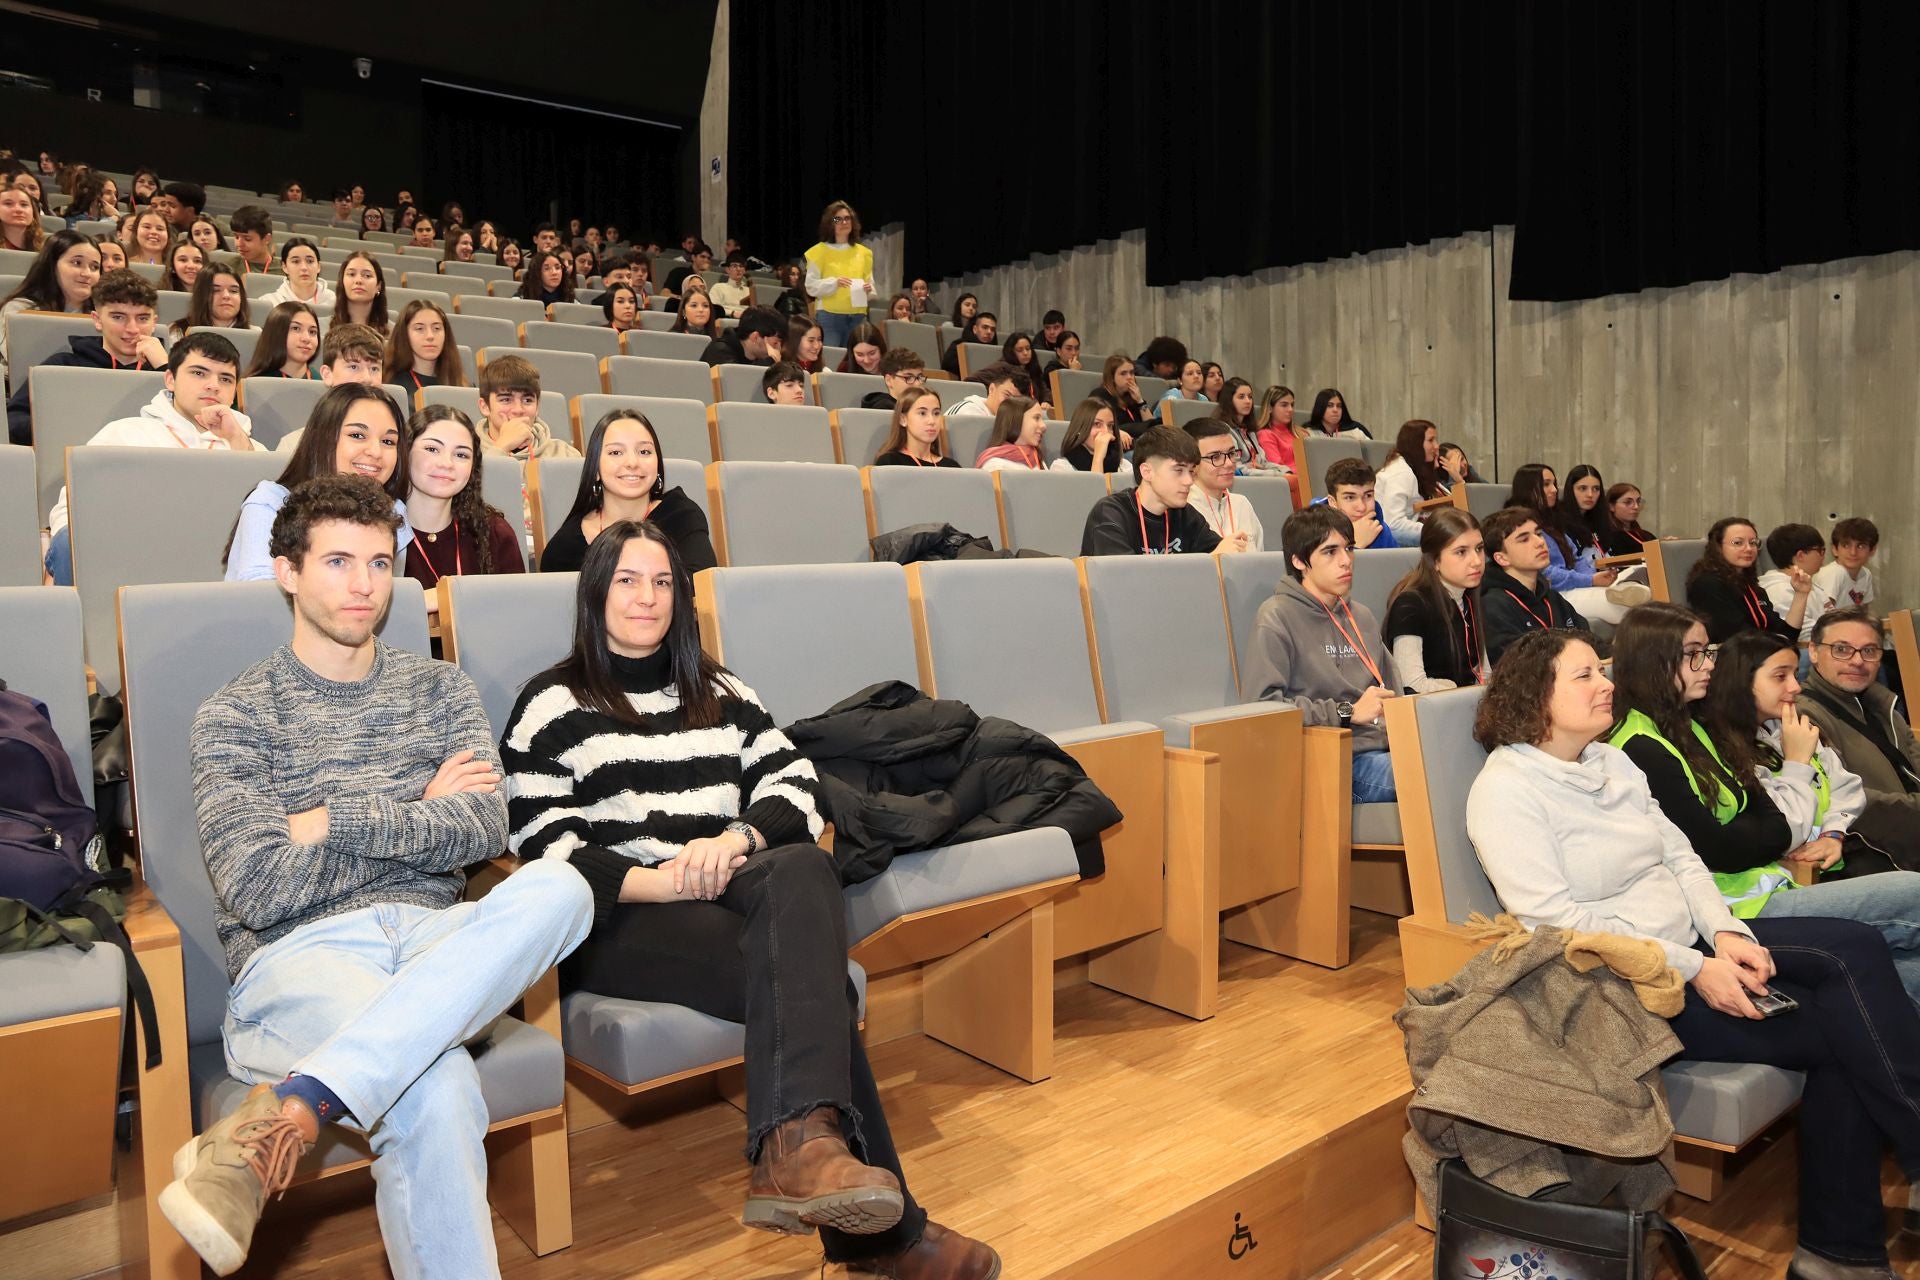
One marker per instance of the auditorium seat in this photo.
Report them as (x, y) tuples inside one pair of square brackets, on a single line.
[(975, 356), (487, 272), (1271, 497), (967, 435), (517, 310), (680, 425), (20, 563), (859, 433), (771, 433), (171, 308), (665, 346), (545, 335), (977, 916), (923, 339), (569, 373), (1178, 413), (1717, 1107), (844, 390), (16, 261), (554, 483), (579, 313), (1669, 563), (901, 496), (478, 331), (453, 283), (1481, 499), (279, 406), (1317, 453), (244, 340), (672, 378), (740, 384), (964, 614), (1047, 510), (750, 506), (1375, 572), (653, 320), (553, 405), (399, 298), (1071, 386), (182, 643), (32, 336), (952, 392), (60, 1007), (70, 405), (259, 284)]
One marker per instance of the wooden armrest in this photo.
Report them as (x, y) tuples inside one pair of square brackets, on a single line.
[(1434, 504), (1606, 562), (148, 926), (1433, 950)]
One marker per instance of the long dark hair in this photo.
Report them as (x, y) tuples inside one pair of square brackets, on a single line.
[(41, 284), (200, 301), (1646, 668), (1529, 489), (1411, 444), (398, 357), (472, 514), (270, 352), (530, 284), (1728, 712), (1439, 530), (1316, 421), (863, 332), (1595, 525), (377, 309), (956, 310), (587, 498), (587, 672), (1224, 409), (320, 444), (1713, 561)]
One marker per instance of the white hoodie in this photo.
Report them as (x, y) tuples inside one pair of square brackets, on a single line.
[(158, 426), (322, 295)]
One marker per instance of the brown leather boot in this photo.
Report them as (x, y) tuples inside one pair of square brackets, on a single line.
[(806, 1178), (939, 1254)]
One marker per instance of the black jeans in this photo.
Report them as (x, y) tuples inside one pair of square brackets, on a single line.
[(771, 952), (1857, 1036)]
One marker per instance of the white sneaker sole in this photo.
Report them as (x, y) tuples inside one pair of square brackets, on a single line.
[(196, 1226)]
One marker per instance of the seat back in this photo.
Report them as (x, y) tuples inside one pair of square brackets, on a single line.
[(571, 373), (772, 433), (1374, 574), (183, 643), (1669, 563), (182, 503), (20, 564), (1249, 582), (681, 425), (1178, 413), (967, 435), (1008, 638), (70, 406), (1160, 635), (753, 506), (517, 310), (1485, 499), (543, 335), (1434, 776), (952, 392), (479, 331), (503, 487), (1071, 386), (861, 432), (553, 405), (866, 636), (503, 629), (399, 298), (1271, 497), (1320, 452), (42, 656), (666, 346), (278, 406), (579, 313), (659, 375), (1047, 510), (902, 496), (1376, 452), (244, 340), (845, 390), (975, 356), (259, 284), (170, 309), (740, 384), (557, 485), (921, 338), (652, 321), (33, 336)]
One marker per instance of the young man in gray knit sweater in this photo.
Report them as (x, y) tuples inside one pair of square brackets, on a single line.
[(341, 786)]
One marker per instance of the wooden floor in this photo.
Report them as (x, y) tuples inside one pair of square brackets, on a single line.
[(1133, 1160), (1746, 1234)]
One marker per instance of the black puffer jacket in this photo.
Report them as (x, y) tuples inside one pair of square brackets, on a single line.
[(900, 772)]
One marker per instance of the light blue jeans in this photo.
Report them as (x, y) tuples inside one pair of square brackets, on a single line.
[(60, 558), (1373, 778), (834, 327), (378, 1005), (1889, 901)]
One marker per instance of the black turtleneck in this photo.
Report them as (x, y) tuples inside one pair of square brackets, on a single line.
[(643, 675)]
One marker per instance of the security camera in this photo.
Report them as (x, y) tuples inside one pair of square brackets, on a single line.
[(364, 66)]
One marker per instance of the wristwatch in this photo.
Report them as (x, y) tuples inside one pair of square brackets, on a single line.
[(753, 838), (1346, 714)]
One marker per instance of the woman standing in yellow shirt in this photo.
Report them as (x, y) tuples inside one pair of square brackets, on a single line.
[(839, 274)]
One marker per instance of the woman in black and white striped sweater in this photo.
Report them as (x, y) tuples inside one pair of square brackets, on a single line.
[(662, 778)]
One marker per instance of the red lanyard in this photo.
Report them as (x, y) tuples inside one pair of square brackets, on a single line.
[(1756, 609), (420, 545), (1358, 646), (1226, 514), (1545, 623), (417, 384), (139, 362), (1468, 625), (1166, 528)]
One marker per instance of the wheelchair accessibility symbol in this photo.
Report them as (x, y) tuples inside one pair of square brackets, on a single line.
[(1242, 1243)]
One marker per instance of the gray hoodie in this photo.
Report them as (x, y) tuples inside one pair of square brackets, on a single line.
[(1298, 656)]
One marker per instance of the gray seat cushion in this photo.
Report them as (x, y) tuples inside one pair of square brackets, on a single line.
[(634, 1041), (521, 1071), (942, 877), (1376, 824), (1179, 728), (56, 981), (1728, 1102), (1101, 732)]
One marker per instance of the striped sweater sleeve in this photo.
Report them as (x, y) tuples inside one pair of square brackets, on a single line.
[(780, 789)]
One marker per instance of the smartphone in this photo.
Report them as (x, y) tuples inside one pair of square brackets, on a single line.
[(1775, 1003)]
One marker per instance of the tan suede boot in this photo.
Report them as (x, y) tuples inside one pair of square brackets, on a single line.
[(223, 1178), (806, 1178), (939, 1254)]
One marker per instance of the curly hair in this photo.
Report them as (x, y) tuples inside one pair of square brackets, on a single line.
[(1517, 706), (348, 499), (1713, 561)]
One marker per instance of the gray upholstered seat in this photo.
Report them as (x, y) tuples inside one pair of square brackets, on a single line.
[(952, 393), (579, 313), (653, 320), (171, 307), (1676, 560), (1317, 453), (55, 982), (1374, 575), (70, 406), (182, 643), (967, 435), (571, 373), (542, 335), (845, 390), (905, 496), (740, 384), (773, 433), (975, 356), (1184, 411), (553, 405), (1047, 510), (478, 331), (280, 406), (516, 310), (244, 340), (399, 298), (1271, 497), (405, 399), (663, 373), (681, 425), (665, 346), (1073, 386), (1485, 499), (861, 432), (42, 655), (259, 284), (757, 500), (19, 519)]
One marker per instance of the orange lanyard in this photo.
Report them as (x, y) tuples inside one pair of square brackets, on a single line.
[(419, 544), (1545, 623), (139, 362), (1166, 528), (1755, 608), (1358, 646), (1471, 627)]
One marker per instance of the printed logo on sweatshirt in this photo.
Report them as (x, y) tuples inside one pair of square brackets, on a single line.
[(1339, 651), (1171, 549)]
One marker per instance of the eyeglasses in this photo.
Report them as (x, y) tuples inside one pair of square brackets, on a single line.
[(1847, 652), (912, 379), (1697, 659), (1224, 458), (843, 217)]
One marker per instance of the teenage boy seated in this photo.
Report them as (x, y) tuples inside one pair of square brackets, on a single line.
[(1225, 511), (1153, 518), (546, 239), (1315, 649), (253, 237), (510, 412), (124, 312), (341, 786), (1791, 547), (343, 207), (731, 294), (1847, 583), (986, 327), (352, 353), (1515, 596), (1001, 379), (701, 263), (1860, 718), (1350, 491), (1052, 325), (901, 368), (616, 270), (760, 338), (192, 410), (180, 203), (784, 383)]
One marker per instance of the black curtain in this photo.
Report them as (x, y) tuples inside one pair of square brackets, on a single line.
[(1668, 143), (510, 160)]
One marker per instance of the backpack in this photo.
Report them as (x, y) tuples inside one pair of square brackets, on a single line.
[(55, 887)]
